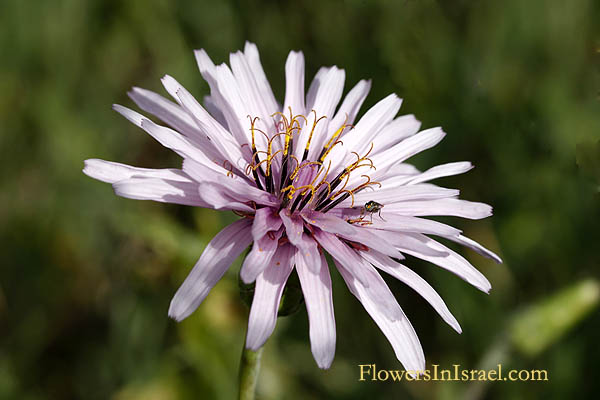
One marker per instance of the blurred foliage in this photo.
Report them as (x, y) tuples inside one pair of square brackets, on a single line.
[(87, 277)]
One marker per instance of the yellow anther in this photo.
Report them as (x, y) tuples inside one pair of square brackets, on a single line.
[(351, 195), (328, 150), (333, 140), (367, 183), (313, 129)]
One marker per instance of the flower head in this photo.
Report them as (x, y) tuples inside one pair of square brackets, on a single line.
[(305, 179)]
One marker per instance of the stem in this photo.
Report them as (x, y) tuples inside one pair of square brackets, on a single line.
[(249, 368)]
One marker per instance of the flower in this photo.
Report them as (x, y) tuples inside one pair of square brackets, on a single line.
[(304, 181)]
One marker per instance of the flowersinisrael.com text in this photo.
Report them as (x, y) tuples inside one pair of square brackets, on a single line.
[(370, 372)]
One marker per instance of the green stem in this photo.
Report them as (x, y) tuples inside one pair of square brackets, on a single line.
[(249, 368)]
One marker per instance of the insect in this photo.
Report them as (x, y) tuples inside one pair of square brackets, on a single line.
[(370, 207), (373, 207)]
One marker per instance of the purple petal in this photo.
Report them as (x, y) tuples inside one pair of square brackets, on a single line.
[(328, 223), (294, 227), (399, 332), (396, 131), (351, 105), (262, 83), (259, 257), (264, 221), (470, 243), (450, 207), (232, 186), (412, 279), (333, 224), (310, 252), (342, 253), (212, 265), (359, 269), (161, 190), (409, 242), (323, 96), (219, 136), (111, 172), (388, 197), (175, 116), (452, 262), (213, 194), (405, 223), (367, 128), (440, 171), (267, 295), (294, 83), (316, 287)]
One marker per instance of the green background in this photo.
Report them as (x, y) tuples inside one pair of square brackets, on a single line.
[(86, 277)]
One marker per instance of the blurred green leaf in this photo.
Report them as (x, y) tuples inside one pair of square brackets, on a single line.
[(542, 324)]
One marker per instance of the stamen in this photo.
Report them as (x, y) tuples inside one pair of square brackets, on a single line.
[(311, 134), (230, 169), (298, 168), (254, 153), (323, 181), (327, 148), (367, 183), (322, 198), (336, 202)]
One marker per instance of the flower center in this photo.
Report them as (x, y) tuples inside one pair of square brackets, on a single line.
[(303, 182)]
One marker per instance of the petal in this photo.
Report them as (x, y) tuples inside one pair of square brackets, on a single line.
[(264, 88), (111, 172), (218, 255), (443, 170), (167, 137), (233, 187), (309, 250), (473, 245), (217, 197), (403, 223), (417, 143), (418, 284), (294, 227), (267, 295), (264, 221), (328, 222), (161, 190), (252, 97), (259, 257), (342, 253), (452, 262), (213, 109), (350, 106), (173, 115), (360, 270), (315, 85), (294, 83), (449, 207), (396, 131), (399, 332), (408, 242), (404, 150), (328, 94), (221, 138), (233, 107), (371, 123), (333, 224), (400, 194), (316, 288)]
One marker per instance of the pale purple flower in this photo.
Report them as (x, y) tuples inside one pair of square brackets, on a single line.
[(305, 180)]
